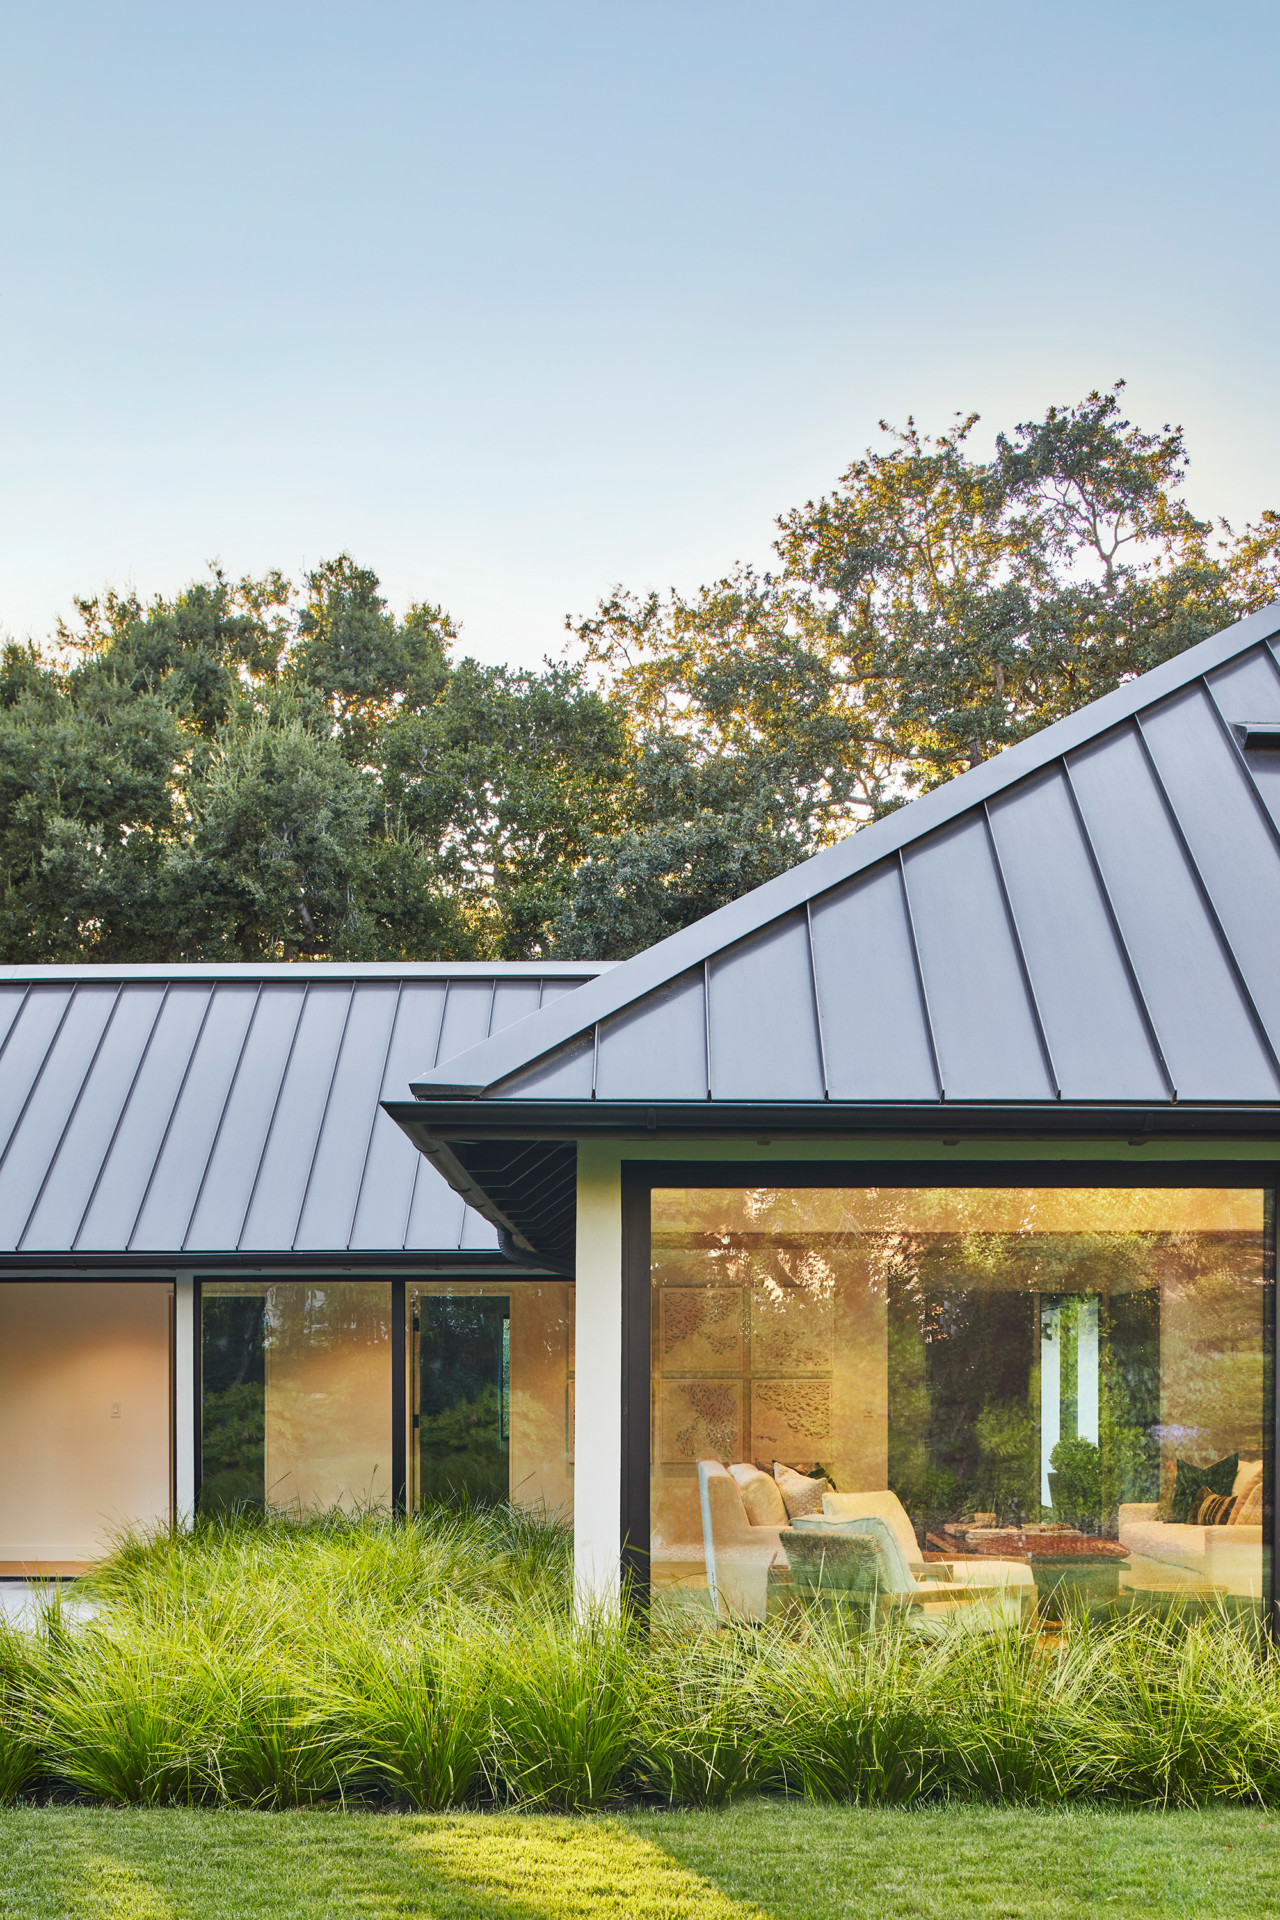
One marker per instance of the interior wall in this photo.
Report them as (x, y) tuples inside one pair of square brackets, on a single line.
[(328, 1395), (85, 1422), (764, 1358)]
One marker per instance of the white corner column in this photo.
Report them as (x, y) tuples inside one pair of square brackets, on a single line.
[(597, 1426), (184, 1399)]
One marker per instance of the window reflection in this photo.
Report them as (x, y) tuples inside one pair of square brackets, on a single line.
[(1026, 1371), (296, 1394), (491, 1393)]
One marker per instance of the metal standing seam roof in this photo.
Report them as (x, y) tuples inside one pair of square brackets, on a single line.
[(201, 1111), (1091, 917)]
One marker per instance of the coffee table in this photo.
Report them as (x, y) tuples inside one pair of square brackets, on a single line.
[(1072, 1570)]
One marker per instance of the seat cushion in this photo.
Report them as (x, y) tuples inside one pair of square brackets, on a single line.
[(883, 1505), (1179, 1546), (760, 1496), (895, 1574), (823, 1557)]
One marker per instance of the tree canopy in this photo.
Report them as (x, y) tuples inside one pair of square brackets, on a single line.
[(247, 771)]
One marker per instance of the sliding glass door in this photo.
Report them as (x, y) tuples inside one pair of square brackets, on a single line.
[(300, 1398)]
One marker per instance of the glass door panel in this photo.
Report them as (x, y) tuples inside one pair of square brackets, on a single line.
[(490, 1393), (463, 1412), (295, 1411)]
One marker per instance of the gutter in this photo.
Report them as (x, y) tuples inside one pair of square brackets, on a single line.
[(430, 1124)]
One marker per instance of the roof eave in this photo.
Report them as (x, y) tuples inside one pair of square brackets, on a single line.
[(438, 1120)]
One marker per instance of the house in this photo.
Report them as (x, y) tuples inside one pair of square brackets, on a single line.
[(220, 1254), (943, 1164)]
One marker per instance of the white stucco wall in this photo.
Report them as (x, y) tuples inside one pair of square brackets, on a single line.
[(184, 1397), (597, 1484)]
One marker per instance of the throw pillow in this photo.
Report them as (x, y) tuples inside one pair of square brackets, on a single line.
[(1192, 1481), (1213, 1509), (801, 1493), (760, 1496), (1248, 1508)]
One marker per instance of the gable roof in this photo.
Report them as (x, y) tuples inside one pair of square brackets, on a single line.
[(1090, 917), (199, 1114)]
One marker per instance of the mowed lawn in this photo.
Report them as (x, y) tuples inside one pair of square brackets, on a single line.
[(761, 1858)]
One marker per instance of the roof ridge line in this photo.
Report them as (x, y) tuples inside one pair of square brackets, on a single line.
[(188, 970), (503, 1054)]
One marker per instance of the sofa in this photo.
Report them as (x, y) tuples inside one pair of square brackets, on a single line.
[(1227, 1557), (740, 1550)]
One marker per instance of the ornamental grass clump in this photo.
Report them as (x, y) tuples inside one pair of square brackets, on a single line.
[(121, 1711), (859, 1714), (440, 1662), (21, 1755), (411, 1719), (563, 1709), (1013, 1705), (1178, 1712), (704, 1732)]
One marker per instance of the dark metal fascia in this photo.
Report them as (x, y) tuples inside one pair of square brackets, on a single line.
[(458, 1176), (1117, 930), (569, 1120), (209, 1262), (1202, 887)]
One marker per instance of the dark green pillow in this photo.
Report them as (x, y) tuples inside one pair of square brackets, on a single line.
[(1191, 1482)]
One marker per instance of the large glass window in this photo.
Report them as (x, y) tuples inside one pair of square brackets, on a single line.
[(85, 1423), (491, 1388), (1065, 1378), (295, 1394)]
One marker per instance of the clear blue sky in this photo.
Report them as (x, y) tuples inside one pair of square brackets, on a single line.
[(515, 300)]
